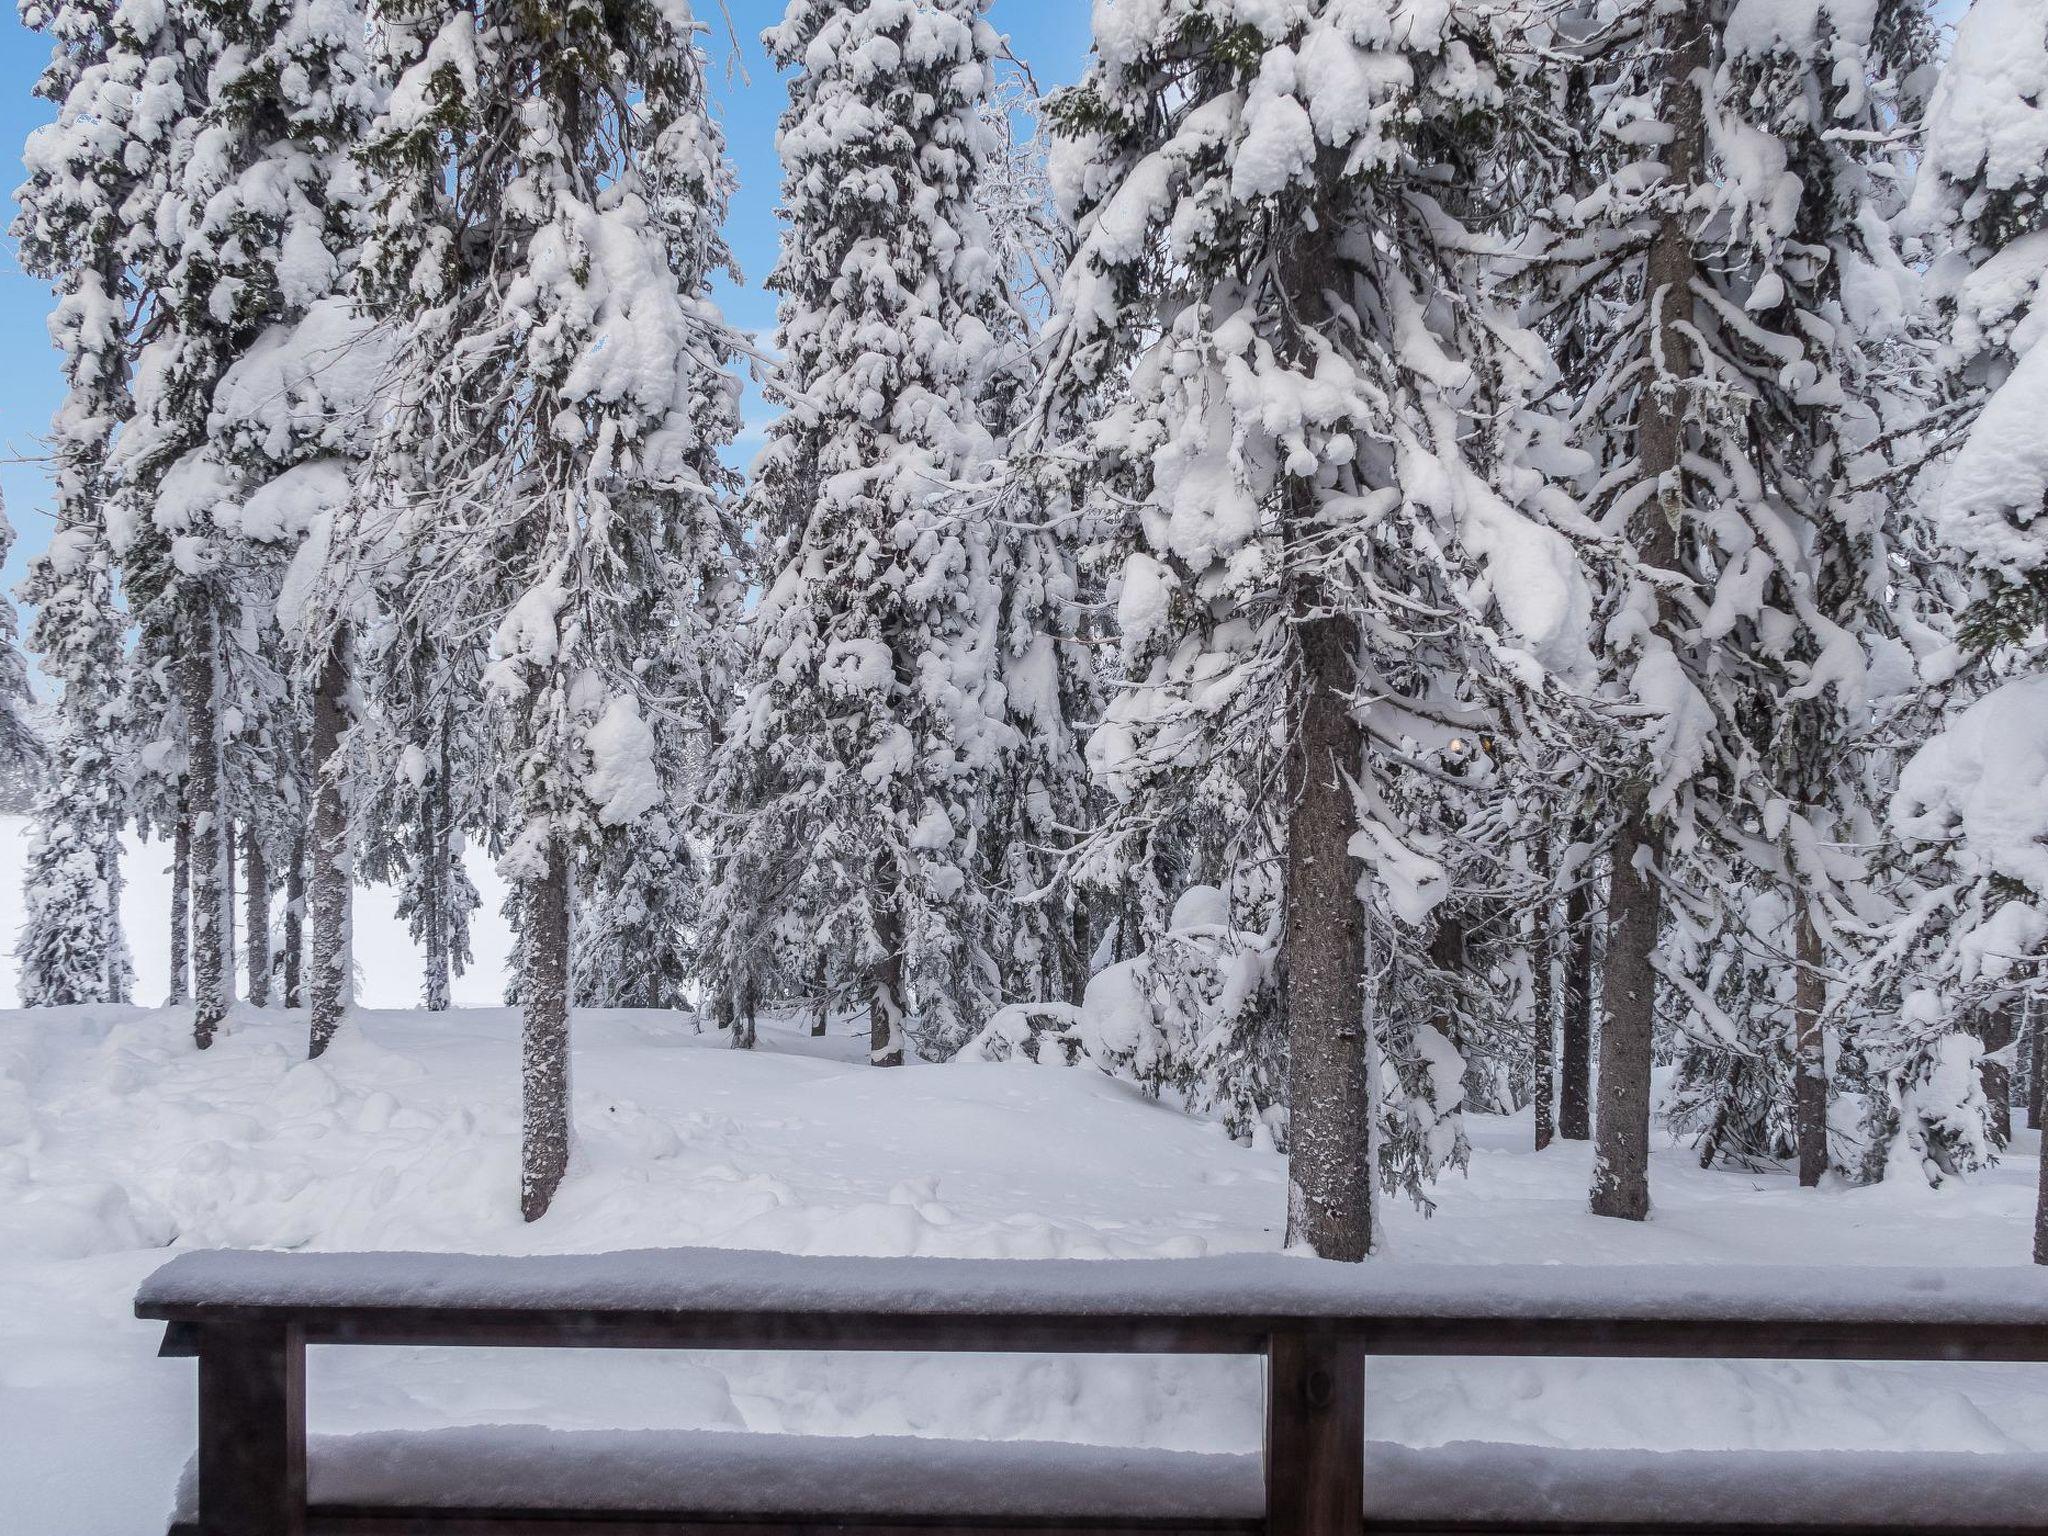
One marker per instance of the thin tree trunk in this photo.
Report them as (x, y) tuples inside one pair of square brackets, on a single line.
[(2041, 1214), (1810, 1106), (294, 923), (544, 1046), (2001, 1028), (434, 914), (230, 890), (745, 1024), (213, 977), (181, 910), (1543, 1027), (1575, 1092), (330, 876), (2031, 1011), (1628, 994), (885, 994), (257, 902)]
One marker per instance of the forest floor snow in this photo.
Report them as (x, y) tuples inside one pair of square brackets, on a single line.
[(120, 1142)]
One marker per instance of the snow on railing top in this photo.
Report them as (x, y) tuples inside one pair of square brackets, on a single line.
[(1262, 1286)]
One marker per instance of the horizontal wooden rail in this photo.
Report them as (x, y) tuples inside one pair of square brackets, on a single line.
[(248, 1317)]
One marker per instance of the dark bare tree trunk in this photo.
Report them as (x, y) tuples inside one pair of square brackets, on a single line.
[(885, 994), (1628, 993), (1543, 1004), (256, 869), (544, 1045), (295, 923), (213, 975), (821, 1007), (745, 1023), (181, 910), (1329, 1162), (1322, 957), (1575, 1092), (330, 877), (2001, 1028), (2031, 1012), (434, 852), (2041, 1215), (1810, 1107)]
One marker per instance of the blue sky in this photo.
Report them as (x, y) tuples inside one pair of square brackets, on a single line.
[(1050, 35)]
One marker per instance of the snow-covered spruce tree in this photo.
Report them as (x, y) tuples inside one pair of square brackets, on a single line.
[(1954, 965), (1346, 560), (641, 889), (868, 794), (543, 429), (1746, 267), (75, 228), (210, 475)]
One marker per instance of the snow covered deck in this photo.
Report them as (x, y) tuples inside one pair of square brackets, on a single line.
[(249, 1315), (710, 1298)]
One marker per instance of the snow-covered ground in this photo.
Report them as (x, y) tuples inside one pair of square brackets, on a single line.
[(118, 1142)]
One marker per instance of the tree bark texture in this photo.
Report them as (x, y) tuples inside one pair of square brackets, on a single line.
[(295, 924), (1994, 1072), (181, 911), (544, 1043), (434, 852), (1322, 957), (1329, 1158), (329, 878), (885, 993), (2030, 1010), (1575, 1090), (1621, 1162), (2041, 1216), (1810, 1091), (1543, 1026), (213, 977), (256, 877)]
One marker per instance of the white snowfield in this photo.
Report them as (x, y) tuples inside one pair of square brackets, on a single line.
[(123, 1148), (1261, 1285)]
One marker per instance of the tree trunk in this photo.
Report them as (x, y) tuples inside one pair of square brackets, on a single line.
[(1543, 1027), (1329, 1159), (544, 1046), (1322, 957), (213, 976), (1621, 1162), (2001, 1028), (745, 1024), (434, 880), (2031, 1012), (885, 994), (256, 869), (2041, 1214), (294, 923), (181, 911), (1575, 1093), (330, 876), (1628, 995), (1810, 1106)]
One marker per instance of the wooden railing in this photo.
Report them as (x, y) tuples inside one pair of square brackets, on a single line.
[(248, 1317)]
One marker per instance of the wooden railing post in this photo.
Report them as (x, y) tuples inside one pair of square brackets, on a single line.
[(252, 1429), (1315, 1435)]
